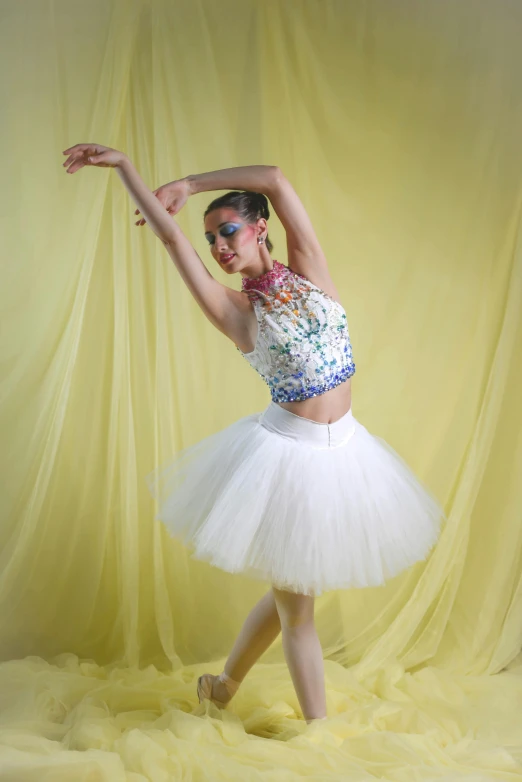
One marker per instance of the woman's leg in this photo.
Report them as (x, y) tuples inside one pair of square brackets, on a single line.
[(303, 652), (260, 629)]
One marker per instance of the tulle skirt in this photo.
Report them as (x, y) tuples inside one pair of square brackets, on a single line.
[(306, 506)]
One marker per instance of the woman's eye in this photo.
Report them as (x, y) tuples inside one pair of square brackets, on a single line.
[(228, 230)]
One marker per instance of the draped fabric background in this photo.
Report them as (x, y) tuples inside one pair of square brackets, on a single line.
[(399, 124)]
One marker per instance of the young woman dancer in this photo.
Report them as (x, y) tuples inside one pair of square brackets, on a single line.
[(300, 495)]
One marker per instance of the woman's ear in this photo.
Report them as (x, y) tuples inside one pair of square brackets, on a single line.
[(262, 227)]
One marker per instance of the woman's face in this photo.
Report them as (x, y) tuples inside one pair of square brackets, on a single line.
[(228, 234)]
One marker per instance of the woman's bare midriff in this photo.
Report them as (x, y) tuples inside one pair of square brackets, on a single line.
[(326, 408)]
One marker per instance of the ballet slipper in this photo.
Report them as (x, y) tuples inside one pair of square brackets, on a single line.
[(313, 719), (205, 688)]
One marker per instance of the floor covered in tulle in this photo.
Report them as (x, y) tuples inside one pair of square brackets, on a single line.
[(75, 721)]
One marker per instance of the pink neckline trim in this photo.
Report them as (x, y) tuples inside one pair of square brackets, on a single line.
[(264, 281)]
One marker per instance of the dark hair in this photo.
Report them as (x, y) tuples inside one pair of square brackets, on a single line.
[(248, 204)]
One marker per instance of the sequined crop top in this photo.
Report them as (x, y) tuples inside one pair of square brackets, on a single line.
[(303, 346)]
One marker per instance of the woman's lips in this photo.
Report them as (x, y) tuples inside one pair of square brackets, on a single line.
[(226, 258)]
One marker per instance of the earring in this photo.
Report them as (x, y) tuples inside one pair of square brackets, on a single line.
[(260, 240)]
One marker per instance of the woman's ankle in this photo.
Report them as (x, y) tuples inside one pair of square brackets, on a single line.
[(230, 684)]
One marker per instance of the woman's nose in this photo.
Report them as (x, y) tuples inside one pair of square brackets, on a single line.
[(221, 245)]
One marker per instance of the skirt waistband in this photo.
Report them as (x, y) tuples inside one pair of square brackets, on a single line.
[(315, 433)]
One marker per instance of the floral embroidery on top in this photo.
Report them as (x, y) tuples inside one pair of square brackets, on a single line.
[(303, 345)]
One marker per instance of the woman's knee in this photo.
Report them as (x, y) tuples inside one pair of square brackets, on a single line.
[(294, 609)]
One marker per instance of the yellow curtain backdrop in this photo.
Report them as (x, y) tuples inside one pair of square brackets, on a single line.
[(399, 124)]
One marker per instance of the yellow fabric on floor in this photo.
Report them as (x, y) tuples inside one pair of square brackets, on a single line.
[(399, 125), (78, 721)]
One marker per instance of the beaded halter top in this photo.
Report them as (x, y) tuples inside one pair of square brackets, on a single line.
[(303, 346)]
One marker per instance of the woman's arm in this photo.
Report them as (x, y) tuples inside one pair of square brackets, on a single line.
[(217, 301), (172, 195), (152, 210), (261, 179), (87, 155), (222, 305), (305, 255)]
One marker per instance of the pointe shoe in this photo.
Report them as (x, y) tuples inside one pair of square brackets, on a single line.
[(314, 719), (205, 686)]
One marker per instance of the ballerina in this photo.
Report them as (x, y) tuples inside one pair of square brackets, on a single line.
[(300, 495)]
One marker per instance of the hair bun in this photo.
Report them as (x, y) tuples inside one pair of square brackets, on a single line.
[(261, 202)]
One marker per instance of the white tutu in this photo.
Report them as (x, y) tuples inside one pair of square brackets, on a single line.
[(305, 506)]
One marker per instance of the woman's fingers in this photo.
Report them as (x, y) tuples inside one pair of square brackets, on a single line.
[(81, 155), (72, 152), (70, 159), (77, 151), (78, 157), (75, 165), (92, 155), (171, 211), (76, 147)]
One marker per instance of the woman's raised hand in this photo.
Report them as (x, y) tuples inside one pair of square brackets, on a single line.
[(172, 197), (81, 155)]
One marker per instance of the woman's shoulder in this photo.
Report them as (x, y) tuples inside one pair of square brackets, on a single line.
[(320, 278)]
